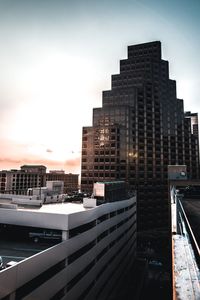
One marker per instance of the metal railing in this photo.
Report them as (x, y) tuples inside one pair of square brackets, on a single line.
[(184, 223)]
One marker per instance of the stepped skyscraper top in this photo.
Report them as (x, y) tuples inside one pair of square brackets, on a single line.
[(140, 129)]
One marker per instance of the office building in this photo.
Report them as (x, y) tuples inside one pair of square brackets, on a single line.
[(140, 129), (18, 181), (32, 176), (70, 180)]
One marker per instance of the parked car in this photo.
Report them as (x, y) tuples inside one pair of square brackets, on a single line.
[(11, 263), (46, 235), (1, 263)]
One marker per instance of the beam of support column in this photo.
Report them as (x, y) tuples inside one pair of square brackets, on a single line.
[(65, 235)]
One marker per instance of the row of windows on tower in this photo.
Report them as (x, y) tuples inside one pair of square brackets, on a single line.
[(26, 181), (129, 83), (150, 149), (140, 177), (136, 72), (152, 52), (141, 168), (25, 176)]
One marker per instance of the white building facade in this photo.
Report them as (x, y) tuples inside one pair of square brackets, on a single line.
[(98, 246)]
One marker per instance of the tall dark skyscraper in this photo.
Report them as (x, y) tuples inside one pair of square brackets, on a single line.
[(139, 131)]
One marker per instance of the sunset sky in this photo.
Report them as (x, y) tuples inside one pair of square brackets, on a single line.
[(57, 56)]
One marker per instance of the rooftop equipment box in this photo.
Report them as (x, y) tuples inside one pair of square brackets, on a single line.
[(89, 202), (109, 191), (177, 172)]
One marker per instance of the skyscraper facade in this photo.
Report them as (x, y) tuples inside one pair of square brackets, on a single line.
[(140, 129)]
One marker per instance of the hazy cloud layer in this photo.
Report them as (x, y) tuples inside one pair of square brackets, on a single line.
[(57, 57), (70, 166)]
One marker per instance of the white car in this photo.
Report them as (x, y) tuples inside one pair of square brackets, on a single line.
[(11, 263), (1, 263)]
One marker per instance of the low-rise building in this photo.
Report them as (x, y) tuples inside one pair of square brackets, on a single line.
[(70, 180), (32, 176), (98, 247), (18, 181)]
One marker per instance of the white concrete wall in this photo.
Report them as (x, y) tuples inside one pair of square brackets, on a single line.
[(34, 219)]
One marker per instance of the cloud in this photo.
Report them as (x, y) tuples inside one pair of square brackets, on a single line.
[(13, 155), (73, 164), (70, 166), (49, 151), (10, 160)]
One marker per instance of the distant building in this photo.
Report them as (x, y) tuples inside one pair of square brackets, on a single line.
[(140, 129), (53, 190), (56, 186), (192, 118), (36, 196), (70, 180), (32, 176), (18, 181), (34, 169), (57, 171)]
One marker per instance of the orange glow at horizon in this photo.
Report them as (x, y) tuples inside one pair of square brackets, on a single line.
[(46, 128)]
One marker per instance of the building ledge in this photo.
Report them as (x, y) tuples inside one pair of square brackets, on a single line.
[(186, 273)]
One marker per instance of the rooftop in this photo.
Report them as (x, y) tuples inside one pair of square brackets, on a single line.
[(56, 208), (53, 216)]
